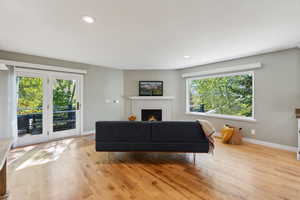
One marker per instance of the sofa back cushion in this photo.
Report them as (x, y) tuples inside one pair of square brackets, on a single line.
[(126, 131), (177, 131)]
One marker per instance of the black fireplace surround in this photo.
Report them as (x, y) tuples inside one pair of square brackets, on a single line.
[(164, 136), (147, 114)]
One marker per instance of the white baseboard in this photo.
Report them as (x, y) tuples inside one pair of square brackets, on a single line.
[(269, 144), (88, 132)]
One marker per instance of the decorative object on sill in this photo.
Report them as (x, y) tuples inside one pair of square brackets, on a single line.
[(132, 118), (231, 135)]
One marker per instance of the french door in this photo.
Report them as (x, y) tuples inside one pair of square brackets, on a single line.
[(49, 105)]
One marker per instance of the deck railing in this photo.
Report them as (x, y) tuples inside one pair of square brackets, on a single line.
[(31, 121)]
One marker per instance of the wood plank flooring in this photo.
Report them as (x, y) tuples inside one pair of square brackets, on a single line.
[(70, 169)]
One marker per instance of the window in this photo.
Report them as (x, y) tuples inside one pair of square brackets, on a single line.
[(227, 95)]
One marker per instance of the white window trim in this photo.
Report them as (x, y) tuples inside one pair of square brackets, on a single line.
[(245, 67), (232, 117)]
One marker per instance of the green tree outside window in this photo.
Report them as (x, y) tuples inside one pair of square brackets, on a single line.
[(227, 95)]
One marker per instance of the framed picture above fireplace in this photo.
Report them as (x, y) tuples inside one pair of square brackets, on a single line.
[(151, 88)]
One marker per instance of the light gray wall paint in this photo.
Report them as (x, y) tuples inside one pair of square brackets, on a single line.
[(169, 77), (3, 104), (100, 83), (277, 94)]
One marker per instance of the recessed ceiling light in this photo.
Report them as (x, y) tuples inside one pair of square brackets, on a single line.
[(88, 19), (186, 56)]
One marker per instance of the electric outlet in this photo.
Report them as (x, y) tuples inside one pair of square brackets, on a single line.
[(253, 132)]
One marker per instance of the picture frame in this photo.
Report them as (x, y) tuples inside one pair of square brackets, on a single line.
[(151, 88)]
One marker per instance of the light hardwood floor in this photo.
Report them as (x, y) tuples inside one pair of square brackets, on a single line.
[(71, 170)]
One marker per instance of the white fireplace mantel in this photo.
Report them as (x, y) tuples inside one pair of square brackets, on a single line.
[(165, 103), (151, 98)]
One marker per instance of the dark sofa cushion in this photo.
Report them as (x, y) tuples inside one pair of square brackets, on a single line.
[(123, 131), (172, 136), (177, 131)]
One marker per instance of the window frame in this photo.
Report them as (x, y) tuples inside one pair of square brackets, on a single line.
[(222, 116)]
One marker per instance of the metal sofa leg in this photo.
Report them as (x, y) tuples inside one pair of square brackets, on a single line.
[(194, 155)]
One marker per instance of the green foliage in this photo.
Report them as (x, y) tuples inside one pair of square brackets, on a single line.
[(63, 94), (30, 95), (231, 95), (63, 98)]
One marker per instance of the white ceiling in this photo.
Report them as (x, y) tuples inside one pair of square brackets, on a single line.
[(148, 34)]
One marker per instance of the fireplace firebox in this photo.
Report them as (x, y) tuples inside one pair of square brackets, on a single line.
[(151, 115)]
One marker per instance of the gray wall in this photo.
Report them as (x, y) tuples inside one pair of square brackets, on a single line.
[(277, 94), (3, 104), (100, 83)]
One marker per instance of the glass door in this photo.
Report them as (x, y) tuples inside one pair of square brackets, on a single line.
[(31, 108), (49, 105), (65, 105)]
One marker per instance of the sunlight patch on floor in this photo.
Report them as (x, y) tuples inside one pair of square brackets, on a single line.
[(49, 153), (18, 153)]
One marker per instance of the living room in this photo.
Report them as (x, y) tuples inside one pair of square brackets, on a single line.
[(111, 100)]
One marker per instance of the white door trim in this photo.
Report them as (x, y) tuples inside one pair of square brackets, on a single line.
[(47, 101), (67, 133), (27, 139)]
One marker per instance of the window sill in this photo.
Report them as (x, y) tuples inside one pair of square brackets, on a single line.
[(236, 118)]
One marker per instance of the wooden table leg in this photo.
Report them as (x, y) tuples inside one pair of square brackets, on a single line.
[(3, 187)]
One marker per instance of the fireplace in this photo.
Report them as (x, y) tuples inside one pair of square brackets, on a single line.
[(151, 115), (162, 104)]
